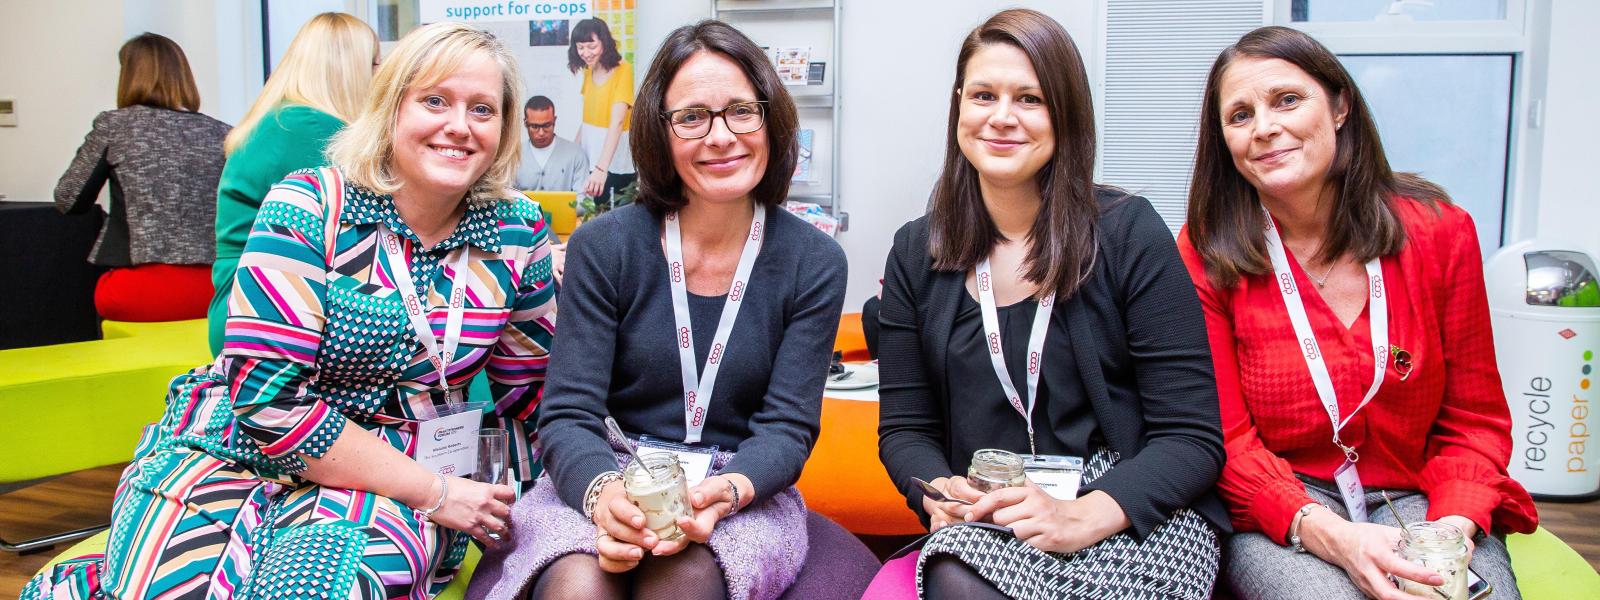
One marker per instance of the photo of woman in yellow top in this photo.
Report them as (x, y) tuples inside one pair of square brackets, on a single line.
[(607, 101)]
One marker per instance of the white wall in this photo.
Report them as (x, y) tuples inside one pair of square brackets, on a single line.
[(60, 65), (222, 40), (1568, 206), (896, 66)]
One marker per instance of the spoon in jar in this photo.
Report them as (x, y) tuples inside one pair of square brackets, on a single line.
[(616, 430), (934, 494), (1407, 531)]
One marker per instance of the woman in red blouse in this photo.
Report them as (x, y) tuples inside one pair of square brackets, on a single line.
[(1304, 245)]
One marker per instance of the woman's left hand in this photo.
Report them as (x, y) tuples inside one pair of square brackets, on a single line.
[(558, 260), (595, 184), (1468, 529), (1049, 524), (711, 500)]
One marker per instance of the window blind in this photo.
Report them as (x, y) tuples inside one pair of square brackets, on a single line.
[(1157, 56)]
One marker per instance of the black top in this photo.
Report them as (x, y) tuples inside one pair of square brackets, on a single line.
[(615, 352), (1138, 346), (1062, 420)]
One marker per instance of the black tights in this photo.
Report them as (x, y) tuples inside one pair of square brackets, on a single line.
[(692, 574), (945, 576)]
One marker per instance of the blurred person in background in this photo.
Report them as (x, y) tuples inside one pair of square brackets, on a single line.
[(162, 158), (318, 86)]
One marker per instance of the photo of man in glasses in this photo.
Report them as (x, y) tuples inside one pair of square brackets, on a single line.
[(549, 162)]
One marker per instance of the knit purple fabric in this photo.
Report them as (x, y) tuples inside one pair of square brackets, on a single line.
[(760, 549)]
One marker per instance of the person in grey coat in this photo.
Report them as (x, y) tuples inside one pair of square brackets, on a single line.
[(163, 159)]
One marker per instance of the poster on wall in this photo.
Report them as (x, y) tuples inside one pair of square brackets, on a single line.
[(576, 59)]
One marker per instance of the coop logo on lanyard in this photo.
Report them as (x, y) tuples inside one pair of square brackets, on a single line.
[(991, 332), (697, 388), (440, 352), (1346, 477), (447, 443)]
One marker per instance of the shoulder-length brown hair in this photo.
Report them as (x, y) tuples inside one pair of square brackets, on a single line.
[(156, 73), (1062, 239), (596, 29), (660, 186), (1224, 211)]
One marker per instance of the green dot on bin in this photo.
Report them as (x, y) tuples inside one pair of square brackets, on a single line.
[(1588, 355)]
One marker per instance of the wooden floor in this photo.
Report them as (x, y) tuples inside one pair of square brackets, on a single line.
[(82, 499)]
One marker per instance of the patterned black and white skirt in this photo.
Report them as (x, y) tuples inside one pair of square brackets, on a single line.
[(1179, 559)]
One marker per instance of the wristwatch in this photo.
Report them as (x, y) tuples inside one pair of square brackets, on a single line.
[(1294, 527)]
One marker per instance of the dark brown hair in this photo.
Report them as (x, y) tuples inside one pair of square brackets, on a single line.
[(156, 73), (1062, 239), (596, 29), (1224, 210), (660, 186)]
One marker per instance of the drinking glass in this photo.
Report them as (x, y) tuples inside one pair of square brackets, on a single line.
[(491, 456)]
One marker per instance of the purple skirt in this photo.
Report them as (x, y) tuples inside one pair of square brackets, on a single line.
[(760, 549)]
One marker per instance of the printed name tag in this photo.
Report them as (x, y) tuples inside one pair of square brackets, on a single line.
[(695, 460), (1349, 482), (448, 445), (1059, 476)]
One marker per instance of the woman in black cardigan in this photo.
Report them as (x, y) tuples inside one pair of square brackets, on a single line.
[(1090, 289)]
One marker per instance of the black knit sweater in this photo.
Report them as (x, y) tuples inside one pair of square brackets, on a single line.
[(615, 351)]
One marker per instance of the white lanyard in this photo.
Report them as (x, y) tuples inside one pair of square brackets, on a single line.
[(1379, 323), (991, 335), (697, 390), (439, 354)]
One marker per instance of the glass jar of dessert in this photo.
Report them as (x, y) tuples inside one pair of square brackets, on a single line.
[(660, 490), (995, 469)]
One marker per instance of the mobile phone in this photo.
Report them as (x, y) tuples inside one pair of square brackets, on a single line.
[(1477, 588)]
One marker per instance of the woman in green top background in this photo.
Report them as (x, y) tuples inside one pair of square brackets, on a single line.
[(320, 84)]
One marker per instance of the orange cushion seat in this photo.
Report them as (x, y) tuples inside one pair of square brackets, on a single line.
[(852, 343), (844, 480)]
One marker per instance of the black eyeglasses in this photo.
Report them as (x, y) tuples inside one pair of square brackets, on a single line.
[(550, 125), (695, 123)]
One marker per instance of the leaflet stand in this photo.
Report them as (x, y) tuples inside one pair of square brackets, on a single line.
[(779, 24)]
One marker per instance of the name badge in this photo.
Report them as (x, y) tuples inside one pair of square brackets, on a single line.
[(695, 460), (1058, 476), (448, 444), (1349, 482)]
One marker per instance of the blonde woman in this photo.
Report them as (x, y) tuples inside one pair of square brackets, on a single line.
[(294, 466), (318, 86)]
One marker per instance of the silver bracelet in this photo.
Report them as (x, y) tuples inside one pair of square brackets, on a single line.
[(592, 495), (735, 487), (1295, 544), (444, 491)]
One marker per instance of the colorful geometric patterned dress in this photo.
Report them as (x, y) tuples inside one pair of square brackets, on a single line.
[(211, 506)]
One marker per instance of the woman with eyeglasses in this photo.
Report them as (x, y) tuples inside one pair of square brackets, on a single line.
[(701, 318)]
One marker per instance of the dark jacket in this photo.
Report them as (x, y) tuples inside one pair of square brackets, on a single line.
[(1139, 340)]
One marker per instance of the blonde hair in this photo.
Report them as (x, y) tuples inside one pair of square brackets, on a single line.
[(424, 58), (328, 67)]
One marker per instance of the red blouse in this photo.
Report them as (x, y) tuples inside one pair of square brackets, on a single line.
[(1445, 430)]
